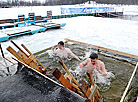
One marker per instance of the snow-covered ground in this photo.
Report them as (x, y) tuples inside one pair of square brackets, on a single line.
[(114, 33)]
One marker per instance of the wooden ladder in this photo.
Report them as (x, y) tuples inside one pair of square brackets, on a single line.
[(92, 94), (30, 59)]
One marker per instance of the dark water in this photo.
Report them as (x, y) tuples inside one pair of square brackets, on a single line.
[(133, 91), (110, 93)]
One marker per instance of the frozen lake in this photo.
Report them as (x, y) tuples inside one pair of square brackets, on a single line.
[(115, 33)]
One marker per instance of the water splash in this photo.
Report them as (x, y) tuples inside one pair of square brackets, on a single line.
[(87, 53), (62, 56), (50, 53), (103, 80), (77, 70)]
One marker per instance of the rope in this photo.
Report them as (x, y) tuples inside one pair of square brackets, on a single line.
[(129, 83)]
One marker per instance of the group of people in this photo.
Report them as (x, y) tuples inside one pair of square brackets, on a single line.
[(92, 63)]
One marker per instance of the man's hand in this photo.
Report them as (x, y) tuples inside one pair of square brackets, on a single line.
[(81, 65), (53, 48), (104, 74)]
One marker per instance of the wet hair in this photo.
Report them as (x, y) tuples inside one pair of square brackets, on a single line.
[(61, 43), (93, 55)]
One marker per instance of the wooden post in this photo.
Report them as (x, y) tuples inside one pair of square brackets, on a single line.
[(90, 78), (93, 83), (4, 60), (2, 51)]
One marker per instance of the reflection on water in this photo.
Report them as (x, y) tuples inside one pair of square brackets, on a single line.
[(111, 88)]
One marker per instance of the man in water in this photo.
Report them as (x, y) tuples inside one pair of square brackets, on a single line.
[(63, 52), (93, 63)]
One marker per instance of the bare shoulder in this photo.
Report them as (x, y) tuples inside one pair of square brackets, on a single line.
[(100, 62), (57, 50), (88, 59), (67, 49)]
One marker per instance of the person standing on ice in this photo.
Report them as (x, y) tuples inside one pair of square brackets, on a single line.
[(94, 64), (63, 52)]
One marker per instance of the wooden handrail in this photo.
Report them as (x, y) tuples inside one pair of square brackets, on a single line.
[(103, 48)]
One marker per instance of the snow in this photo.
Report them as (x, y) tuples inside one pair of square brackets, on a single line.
[(114, 33)]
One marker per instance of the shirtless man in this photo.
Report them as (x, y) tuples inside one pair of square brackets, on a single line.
[(94, 63), (64, 52)]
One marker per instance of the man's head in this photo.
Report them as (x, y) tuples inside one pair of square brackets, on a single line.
[(93, 57), (60, 44)]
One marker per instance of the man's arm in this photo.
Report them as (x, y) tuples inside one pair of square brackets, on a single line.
[(73, 55), (102, 70), (83, 63), (55, 51)]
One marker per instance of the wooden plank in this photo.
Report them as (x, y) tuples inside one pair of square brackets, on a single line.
[(21, 22), (21, 16), (73, 79), (30, 59), (19, 47), (38, 18), (35, 66), (85, 88), (93, 92), (88, 92), (90, 78), (6, 21), (103, 48), (20, 32), (44, 69), (10, 60), (21, 19), (93, 83), (66, 83), (12, 51), (51, 25), (66, 70), (21, 55), (83, 85)]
